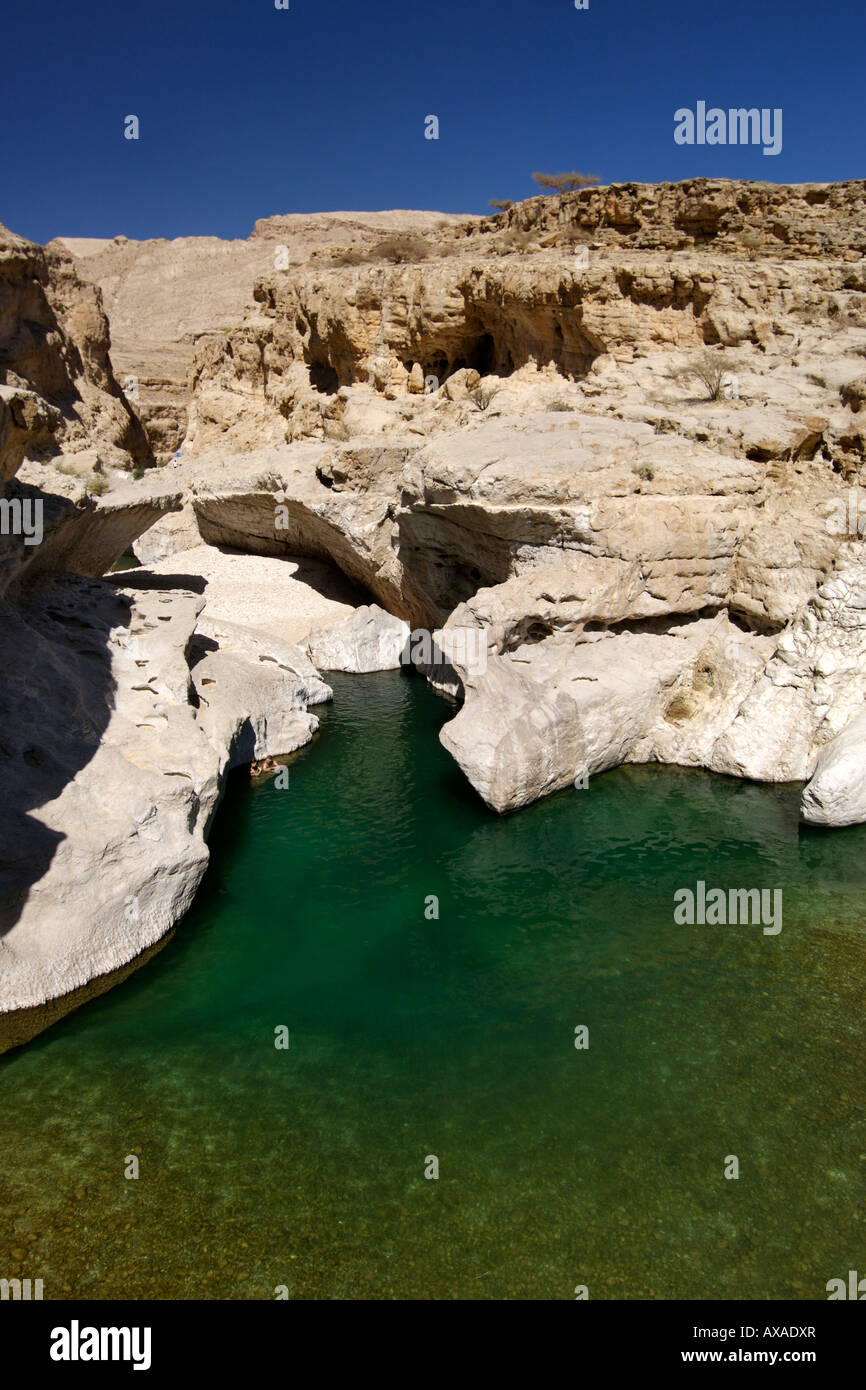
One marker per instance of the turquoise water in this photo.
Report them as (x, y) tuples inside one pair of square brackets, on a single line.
[(413, 1036)]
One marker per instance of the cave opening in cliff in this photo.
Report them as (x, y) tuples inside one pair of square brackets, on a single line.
[(437, 366), (323, 378), (481, 356), (477, 351)]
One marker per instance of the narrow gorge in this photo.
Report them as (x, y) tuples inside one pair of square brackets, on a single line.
[(619, 435)]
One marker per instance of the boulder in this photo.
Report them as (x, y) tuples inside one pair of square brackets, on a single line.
[(370, 640), (836, 793)]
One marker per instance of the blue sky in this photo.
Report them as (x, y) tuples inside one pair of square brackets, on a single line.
[(246, 110)]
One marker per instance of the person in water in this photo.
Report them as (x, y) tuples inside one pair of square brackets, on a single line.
[(261, 765)]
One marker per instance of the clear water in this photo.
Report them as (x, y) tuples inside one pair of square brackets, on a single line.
[(411, 1036)]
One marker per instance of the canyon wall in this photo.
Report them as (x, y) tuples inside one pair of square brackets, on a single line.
[(619, 434), (120, 718)]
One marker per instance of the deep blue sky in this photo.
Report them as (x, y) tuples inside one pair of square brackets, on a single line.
[(247, 110)]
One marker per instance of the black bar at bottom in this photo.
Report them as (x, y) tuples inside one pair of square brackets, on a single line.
[(86, 1339)]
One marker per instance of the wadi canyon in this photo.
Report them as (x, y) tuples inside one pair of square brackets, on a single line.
[(620, 432)]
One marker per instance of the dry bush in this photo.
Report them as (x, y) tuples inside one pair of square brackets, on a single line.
[(843, 319), (348, 256), (710, 369), (400, 250), (752, 244), (853, 394), (513, 240), (565, 183), (575, 236), (482, 396)]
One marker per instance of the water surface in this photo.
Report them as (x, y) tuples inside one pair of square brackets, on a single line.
[(413, 1036)]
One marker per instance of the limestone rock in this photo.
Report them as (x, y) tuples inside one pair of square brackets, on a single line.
[(85, 539), (370, 640), (545, 713), (165, 298), (812, 685), (114, 753), (58, 387), (836, 793)]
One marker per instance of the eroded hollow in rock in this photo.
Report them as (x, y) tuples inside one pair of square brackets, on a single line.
[(324, 378), (481, 355), (547, 336)]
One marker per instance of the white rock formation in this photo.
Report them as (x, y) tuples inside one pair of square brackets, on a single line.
[(370, 640), (836, 794), (119, 750)]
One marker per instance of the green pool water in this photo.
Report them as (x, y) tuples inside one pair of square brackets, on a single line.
[(413, 1036)]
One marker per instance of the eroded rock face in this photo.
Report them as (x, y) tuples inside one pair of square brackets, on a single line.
[(119, 724), (752, 264), (545, 715), (810, 220), (120, 714), (86, 539), (810, 688), (58, 393), (491, 437), (164, 298), (638, 590)]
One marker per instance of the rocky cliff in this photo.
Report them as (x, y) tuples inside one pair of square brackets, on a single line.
[(121, 712), (618, 437), (559, 283), (642, 409), (166, 298), (58, 393)]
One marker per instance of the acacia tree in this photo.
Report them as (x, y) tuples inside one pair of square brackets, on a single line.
[(565, 183), (710, 369)]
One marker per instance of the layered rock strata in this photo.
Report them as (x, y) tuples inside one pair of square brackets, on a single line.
[(508, 435), (122, 707), (166, 298)]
